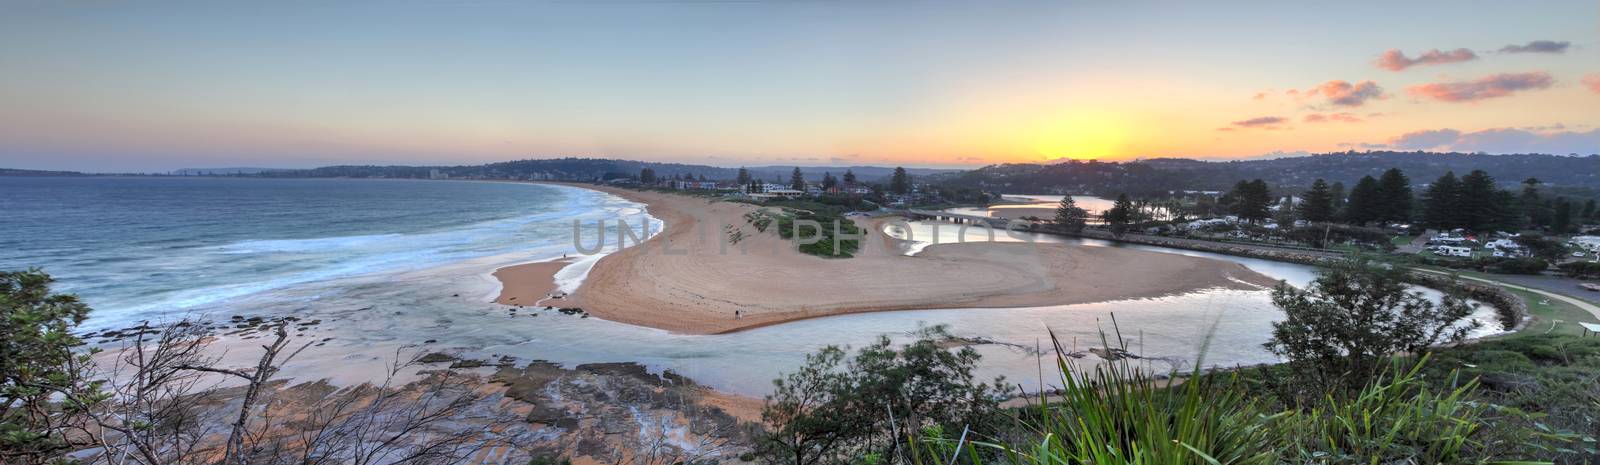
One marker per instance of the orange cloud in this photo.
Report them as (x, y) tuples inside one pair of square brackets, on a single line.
[(1337, 117), (1499, 85), (1344, 93), (1395, 60), (1266, 122)]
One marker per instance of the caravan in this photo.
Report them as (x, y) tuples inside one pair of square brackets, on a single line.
[(1452, 251)]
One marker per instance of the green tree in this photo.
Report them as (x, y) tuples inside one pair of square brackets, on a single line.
[(1338, 330), (828, 181), (834, 408), (1394, 193), (38, 361), (1121, 214), (1317, 204), (1588, 211), (647, 176), (1479, 210), (900, 182), (1541, 246), (1338, 193), (1250, 200), (1069, 217), (797, 180), (743, 178), (1366, 200), (1533, 206), (1561, 221), (849, 177), (1439, 203)]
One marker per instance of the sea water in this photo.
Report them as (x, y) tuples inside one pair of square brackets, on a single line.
[(395, 268)]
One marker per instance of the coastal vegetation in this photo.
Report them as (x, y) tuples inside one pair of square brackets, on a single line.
[(1365, 401), (832, 226)]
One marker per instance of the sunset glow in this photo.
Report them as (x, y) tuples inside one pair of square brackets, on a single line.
[(99, 86)]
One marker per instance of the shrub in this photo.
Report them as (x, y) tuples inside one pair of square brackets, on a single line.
[(1525, 265), (1581, 270)]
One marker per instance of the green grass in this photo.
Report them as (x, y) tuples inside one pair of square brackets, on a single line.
[(1419, 411), (1547, 312)]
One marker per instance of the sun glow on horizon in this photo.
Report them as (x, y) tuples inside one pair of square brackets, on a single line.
[(1083, 137)]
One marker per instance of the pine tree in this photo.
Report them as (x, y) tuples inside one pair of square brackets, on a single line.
[(900, 183), (1561, 221), (1394, 193), (1120, 215), (828, 182), (1250, 200), (1338, 199), (1533, 207), (797, 181), (647, 176), (1317, 204), (849, 177), (1439, 202), (1366, 200), (1069, 217), (1477, 206), (1589, 211), (744, 177)]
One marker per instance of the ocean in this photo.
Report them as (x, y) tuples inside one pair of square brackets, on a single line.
[(395, 268), (138, 248)]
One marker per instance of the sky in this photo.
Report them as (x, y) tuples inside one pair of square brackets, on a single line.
[(152, 86)]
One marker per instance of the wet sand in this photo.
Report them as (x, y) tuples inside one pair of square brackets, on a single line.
[(531, 284), (689, 281)]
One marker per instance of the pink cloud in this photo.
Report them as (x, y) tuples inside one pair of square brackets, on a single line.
[(1499, 85), (1268, 122), (1332, 117), (1395, 60), (1345, 93), (1593, 82)]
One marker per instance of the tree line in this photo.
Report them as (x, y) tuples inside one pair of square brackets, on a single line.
[(1473, 202)]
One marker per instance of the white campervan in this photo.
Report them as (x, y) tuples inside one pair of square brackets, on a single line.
[(1452, 251)]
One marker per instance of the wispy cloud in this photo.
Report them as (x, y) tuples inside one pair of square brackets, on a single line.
[(1268, 122), (1538, 46), (1592, 81), (1418, 140), (1332, 117), (1395, 60), (1344, 93), (1499, 85), (1499, 140)]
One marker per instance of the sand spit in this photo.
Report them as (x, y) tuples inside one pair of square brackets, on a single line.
[(690, 280)]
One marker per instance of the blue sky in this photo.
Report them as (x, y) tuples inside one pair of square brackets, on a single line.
[(152, 86)]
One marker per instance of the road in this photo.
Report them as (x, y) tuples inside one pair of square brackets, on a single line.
[(1576, 302)]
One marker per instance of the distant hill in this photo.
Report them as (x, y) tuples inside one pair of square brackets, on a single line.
[(223, 171), (1289, 173), (585, 169), (17, 172)]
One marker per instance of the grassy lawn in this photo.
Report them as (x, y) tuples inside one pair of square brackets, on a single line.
[(1547, 311), (1400, 240)]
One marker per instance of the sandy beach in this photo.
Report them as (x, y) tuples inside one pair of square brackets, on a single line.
[(531, 284), (689, 281)]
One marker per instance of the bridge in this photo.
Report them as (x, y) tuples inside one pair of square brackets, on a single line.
[(919, 214)]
